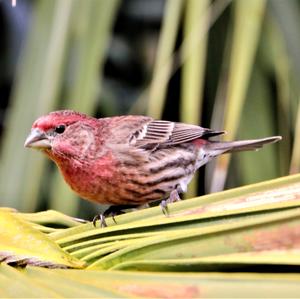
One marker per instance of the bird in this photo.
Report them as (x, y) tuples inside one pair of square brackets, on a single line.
[(130, 160)]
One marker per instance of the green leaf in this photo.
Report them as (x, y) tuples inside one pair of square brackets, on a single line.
[(36, 87), (164, 60), (22, 244), (248, 17), (249, 229)]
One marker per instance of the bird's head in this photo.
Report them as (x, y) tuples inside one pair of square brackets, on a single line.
[(62, 133)]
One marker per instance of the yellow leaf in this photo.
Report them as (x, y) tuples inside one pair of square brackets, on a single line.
[(20, 243)]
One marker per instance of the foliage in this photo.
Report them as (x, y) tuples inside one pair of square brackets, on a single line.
[(230, 65), (216, 245)]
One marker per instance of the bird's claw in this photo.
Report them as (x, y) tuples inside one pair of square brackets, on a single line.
[(113, 218), (174, 196), (111, 211), (100, 217), (164, 207)]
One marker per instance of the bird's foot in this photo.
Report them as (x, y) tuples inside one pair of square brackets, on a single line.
[(164, 207), (100, 217), (111, 211), (174, 196)]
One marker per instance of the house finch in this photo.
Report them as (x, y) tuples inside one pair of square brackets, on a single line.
[(128, 160)]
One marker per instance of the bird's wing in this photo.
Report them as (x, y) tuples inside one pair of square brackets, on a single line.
[(165, 133)]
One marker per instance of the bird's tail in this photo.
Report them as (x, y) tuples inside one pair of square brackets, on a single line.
[(242, 145)]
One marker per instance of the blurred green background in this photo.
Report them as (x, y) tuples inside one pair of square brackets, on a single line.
[(232, 65)]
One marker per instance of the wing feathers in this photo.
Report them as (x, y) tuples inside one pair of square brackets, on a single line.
[(166, 133)]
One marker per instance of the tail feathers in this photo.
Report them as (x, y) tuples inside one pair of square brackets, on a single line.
[(242, 145)]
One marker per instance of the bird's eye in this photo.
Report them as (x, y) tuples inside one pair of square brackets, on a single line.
[(60, 129)]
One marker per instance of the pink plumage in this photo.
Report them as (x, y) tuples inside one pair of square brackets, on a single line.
[(128, 160)]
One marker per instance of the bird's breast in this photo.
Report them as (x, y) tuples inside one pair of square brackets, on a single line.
[(92, 180)]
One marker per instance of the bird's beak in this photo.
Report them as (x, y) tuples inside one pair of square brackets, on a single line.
[(37, 139)]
